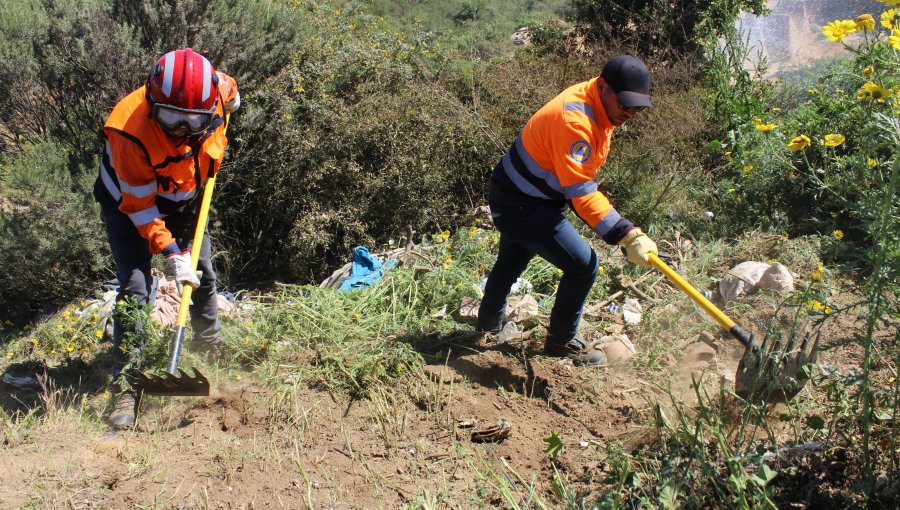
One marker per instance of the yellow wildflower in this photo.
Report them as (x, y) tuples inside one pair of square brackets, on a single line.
[(249, 324), (838, 29), (600, 270), (872, 162), (82, 303), (445, 234), (838, 234), (816, 276), (98, 333), (728, 154), (776, 109), (868, 71), (9, 355), (264, 345), (246, 340), (865, 22), (799, 143), (888, 18), (894, 39), (356, 317), (70, 347), (765, 128), (472, 231), (67, 314), (757, 121), (120, 302), (873, 92), (833, 139), (839, 91), (732, 190), (747, 169), (820, 267), (53, 352)]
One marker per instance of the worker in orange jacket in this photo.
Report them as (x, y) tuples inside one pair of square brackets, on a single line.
[(552, 164), (162, 142)]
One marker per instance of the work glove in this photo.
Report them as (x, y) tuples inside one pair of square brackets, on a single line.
[(183, 268), (637, 247)]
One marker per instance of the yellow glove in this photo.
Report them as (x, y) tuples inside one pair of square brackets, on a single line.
[(637, 246)]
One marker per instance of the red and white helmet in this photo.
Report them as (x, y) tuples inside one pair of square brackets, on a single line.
[(183, 89)]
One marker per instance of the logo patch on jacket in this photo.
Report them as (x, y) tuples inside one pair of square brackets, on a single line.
[(580, 151)]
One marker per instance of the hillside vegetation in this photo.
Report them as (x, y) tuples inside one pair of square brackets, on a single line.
[(378, 124)]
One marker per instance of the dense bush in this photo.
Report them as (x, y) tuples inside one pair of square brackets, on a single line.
[(52, 248)]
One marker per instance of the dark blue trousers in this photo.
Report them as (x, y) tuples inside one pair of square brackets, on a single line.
[(526, 231), (132, 255)]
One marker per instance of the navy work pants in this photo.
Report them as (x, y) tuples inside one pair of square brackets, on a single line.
[(526, 231), (132, 255)]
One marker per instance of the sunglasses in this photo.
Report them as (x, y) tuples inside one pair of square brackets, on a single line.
[(182, 122)]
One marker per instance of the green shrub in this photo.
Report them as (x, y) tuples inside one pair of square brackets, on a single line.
[(52, 247)]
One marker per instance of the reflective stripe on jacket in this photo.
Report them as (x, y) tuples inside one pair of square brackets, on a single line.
[(556, 159), (147, 176)]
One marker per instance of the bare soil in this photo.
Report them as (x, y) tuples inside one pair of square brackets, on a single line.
[(286, 444)]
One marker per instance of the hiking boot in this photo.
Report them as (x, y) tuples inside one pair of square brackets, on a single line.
[(123, 414), (576, 349)]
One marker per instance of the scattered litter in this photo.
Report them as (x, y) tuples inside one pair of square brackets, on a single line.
[(521, 309), (168, 299), (522, 286), (617, 348), (748, 277), (612, 308), (467, 424), (510, 331), (365, 270), (631, 311), (468, 310), (23, 382), (440, 314), (493, 434)]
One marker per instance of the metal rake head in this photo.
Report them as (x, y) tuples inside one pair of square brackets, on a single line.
[(774, 370), (181, 384)]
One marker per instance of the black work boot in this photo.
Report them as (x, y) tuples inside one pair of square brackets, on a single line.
[(576, 349), (123, 414)]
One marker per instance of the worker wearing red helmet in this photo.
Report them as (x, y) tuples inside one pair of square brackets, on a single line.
[(162, 142), (553, 164)]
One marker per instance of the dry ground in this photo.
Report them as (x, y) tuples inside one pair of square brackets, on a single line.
[(283, 444)]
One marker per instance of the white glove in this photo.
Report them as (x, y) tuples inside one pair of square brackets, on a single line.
[(637, 247), (184, 270)]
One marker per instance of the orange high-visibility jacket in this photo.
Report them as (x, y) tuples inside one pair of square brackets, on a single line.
[(556, 158), (147, 176)]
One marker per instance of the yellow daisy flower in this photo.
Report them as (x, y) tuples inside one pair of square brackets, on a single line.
[(747, 169), (838, 29), (765, 128), (838, 234), (894, 39), (865, 22), (799, 143), (888, 18), (833, 139), (872, 162), (873, 92)]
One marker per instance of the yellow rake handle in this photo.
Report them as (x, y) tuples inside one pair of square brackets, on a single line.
[(720, 317)]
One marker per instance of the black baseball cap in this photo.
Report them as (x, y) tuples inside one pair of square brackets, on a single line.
[(629, 79)]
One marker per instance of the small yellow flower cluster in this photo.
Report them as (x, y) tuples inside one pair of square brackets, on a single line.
[(838, 234), (817, 272), (762, 126), (819, 306)]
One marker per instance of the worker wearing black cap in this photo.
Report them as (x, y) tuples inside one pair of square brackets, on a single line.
[(552, 164)]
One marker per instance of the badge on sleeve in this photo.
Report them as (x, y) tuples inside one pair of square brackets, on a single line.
[(580, 151)]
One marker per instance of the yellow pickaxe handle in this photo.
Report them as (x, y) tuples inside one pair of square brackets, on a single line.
[(187, 290), (720, 317)]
